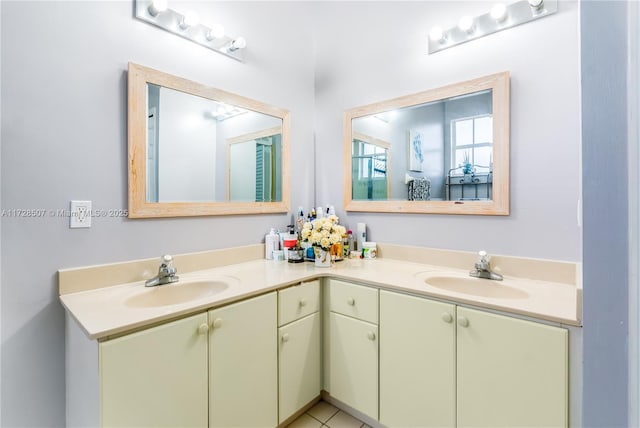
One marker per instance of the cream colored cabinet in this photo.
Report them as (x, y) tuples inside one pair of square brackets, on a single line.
[(156, 377), (299, 348), (447, 366), (417, 362), (510, 372), (352, 352), (299, 363), (243, 364)]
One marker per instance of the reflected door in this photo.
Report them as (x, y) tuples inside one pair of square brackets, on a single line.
[(370, 169), (255, 169)]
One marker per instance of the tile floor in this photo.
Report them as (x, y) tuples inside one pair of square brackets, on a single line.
[(325, 415)]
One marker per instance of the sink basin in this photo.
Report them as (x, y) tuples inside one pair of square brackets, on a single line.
[(179, 292), (476, 286)]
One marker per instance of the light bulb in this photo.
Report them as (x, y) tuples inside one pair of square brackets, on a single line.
[(156, 7), (466, 24), (189, 19), (499, 12), (238, 43), (536, 4), (436, 34), (216, 32)]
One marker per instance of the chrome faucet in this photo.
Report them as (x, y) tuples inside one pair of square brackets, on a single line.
[(483, 270), (166, 273)]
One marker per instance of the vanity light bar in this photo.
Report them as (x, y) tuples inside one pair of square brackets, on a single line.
[(500, 18), (156, 12)]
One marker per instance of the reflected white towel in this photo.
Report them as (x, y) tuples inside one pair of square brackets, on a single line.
[(420, 189)]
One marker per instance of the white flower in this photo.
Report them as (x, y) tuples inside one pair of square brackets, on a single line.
[(323, 232)]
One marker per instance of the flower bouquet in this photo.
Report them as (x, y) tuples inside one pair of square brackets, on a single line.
[(322, 234)]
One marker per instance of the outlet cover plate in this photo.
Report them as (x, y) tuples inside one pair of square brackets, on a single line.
[(80, 214)]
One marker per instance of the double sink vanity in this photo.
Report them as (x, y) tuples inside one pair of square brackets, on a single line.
[(408, 339)]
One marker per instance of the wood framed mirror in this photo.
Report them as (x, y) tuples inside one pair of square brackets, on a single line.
[(179, 162), (441, 151)]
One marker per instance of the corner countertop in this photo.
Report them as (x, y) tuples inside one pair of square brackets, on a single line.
[(104, 312)]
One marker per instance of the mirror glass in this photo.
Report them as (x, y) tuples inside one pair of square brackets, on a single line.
[(196, 150), (442, 151)]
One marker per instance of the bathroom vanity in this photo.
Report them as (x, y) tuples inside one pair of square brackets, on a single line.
[(375, 337)]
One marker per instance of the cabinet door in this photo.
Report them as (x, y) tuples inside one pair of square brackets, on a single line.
[(156, 377), (299, 362), (243, 366), (417, 362), (511, 373), (353, 357)]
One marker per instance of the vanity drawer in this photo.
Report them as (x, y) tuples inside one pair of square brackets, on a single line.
[(353, 300), (298, 301)]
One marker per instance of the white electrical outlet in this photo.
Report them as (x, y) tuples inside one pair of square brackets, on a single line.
[(80, 214)]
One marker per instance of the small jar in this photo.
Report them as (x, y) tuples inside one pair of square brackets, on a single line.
[(369, 250)]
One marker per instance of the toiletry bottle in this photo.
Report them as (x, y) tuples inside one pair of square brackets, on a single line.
[(319, 212), (271, 243), (350, 245), (299, 220), (361, 235), (345, 246), (331, 210)]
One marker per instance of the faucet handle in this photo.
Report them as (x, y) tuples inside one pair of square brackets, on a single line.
[(483, 262), (166, 259)]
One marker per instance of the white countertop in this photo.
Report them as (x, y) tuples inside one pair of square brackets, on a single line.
[(104, 311)]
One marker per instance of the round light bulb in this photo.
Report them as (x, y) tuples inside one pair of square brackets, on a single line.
[(536, 4), (157, 6), (466, 24), (499, 12), (436, 34), (216, 32), (189, 19), (238, 43)]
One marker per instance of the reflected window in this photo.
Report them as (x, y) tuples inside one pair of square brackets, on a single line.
[(472, 142)]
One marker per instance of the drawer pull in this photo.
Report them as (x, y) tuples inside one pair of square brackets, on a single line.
[(203, 328), (371, 335), (463, 322), (303, 302), (447, 317), (285, 337), (217, 323), (351, 301)]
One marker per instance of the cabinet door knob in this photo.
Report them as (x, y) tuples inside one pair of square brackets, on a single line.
[(447, 317), (463, 322), (371, 335), (217, 323), (303, 302), (351, 301), (285, 337), (203, 328)]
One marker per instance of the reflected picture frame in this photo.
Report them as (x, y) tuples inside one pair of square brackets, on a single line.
[(416, 155)]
